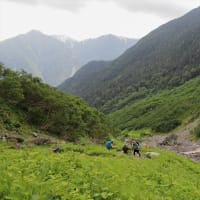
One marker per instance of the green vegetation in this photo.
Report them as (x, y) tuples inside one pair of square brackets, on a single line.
[(197, 131), (137, 134), (26, 101), (92, 172), (161, 112)]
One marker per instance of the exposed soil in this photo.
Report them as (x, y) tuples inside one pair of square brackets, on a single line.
[(179, 141)]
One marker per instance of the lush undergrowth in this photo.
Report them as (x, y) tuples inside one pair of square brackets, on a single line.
[(161, 112), (137, 134), (92, 172)]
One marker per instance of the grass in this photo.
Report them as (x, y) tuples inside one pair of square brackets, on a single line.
[(92, 172), (137, 134)]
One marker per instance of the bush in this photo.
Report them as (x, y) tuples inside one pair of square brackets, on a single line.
[(167, 125), (197, 131)]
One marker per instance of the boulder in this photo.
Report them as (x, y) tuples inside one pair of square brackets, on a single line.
[(151, 154), (41, 141), (4, 138), (34, 134), (170, 140), (57, 149), (14, 139)]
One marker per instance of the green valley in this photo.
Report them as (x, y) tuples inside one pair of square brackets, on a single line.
[(55, 146), (154, 84)]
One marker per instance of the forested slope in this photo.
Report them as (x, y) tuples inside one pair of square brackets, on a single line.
[(161, 112), (26, 101), (165, 58)]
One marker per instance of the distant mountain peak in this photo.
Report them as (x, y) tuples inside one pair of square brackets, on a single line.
[(64, 38), (34, 32), (109, 36), (31, 34), (113, 36), (55, 58)]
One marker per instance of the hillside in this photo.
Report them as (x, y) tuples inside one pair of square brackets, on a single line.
[(161, 112), (92, 172), (27, 104), (165, 58), (45, 56)]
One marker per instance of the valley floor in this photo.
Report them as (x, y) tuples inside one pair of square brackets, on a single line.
[(179, 141), (90, 172)]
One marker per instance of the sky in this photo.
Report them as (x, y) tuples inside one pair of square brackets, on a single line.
[(82, 19)]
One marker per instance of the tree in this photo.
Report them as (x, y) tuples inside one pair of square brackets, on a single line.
[(11, 89)]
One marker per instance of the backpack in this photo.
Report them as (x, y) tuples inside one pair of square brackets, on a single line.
[(136, 145)]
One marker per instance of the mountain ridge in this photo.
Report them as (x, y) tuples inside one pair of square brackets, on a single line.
[(45, 55), (165, 58)]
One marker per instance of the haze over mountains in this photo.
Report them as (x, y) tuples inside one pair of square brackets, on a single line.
[(165, 58), (55, 58)]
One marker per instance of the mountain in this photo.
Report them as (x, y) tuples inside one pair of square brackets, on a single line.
[(165, 58), (55, 58)]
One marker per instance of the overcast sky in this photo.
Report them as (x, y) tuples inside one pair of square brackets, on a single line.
[(81, 19)]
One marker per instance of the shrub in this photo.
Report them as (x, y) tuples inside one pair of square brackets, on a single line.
[(197, 131), (167, 125)]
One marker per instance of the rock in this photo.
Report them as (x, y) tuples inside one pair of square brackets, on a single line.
[(195, 156), (151, 154), (17, 146), (14, 139), (30, 145), (57, 149), (170, 140), (41, 141), (20, 140), (34, 134), (4, 138)]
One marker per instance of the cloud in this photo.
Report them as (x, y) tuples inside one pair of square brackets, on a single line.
[(157, 7), (161, 8), (22, 1), (70, 5)]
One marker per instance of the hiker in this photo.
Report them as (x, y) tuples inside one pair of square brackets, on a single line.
[(136, 147), (109, 144), (125, 148)]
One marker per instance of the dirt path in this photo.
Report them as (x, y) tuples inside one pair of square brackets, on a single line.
[(192, 152), (179, 141)]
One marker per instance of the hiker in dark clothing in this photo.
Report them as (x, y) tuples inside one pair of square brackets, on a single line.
[(125, 148), (136, 147)]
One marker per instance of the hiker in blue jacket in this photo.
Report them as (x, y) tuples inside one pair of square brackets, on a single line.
[(109, 144)]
